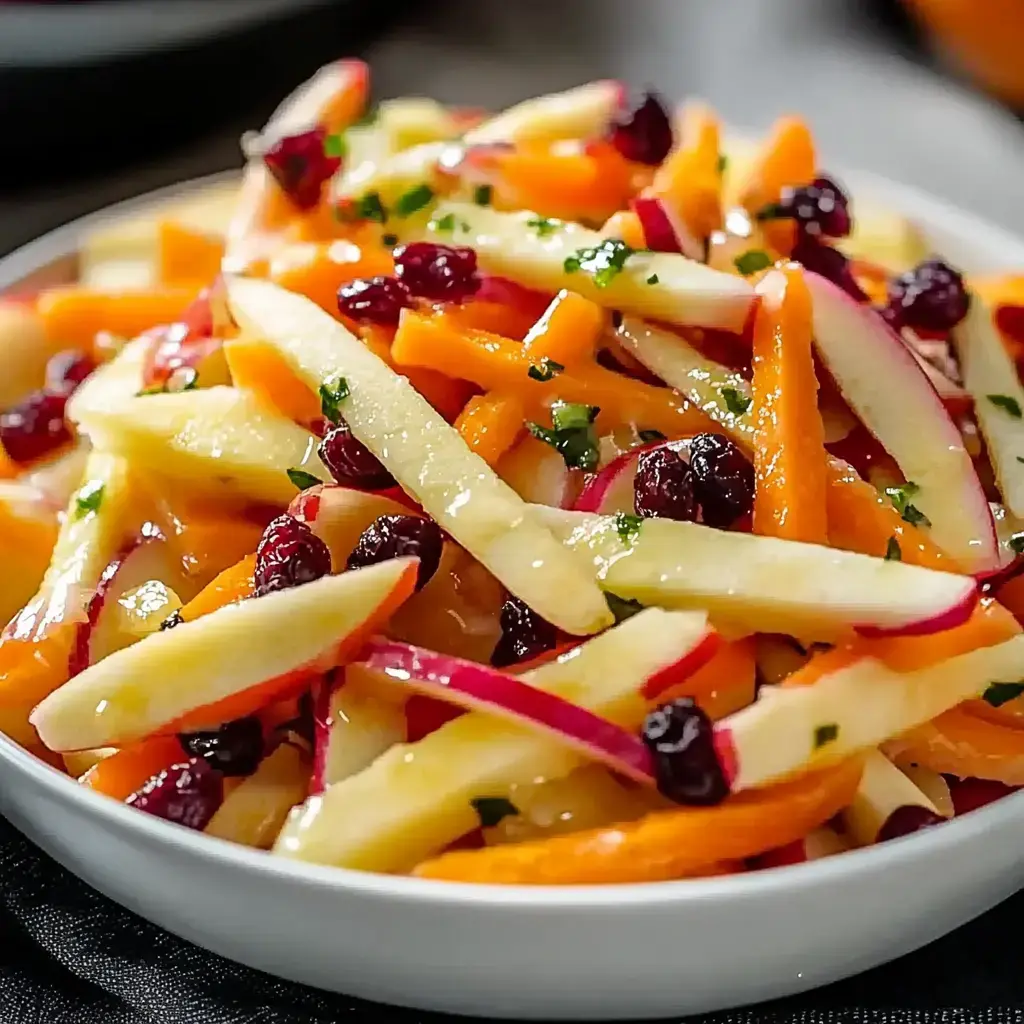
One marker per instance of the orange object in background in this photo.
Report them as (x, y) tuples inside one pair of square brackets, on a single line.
[(186, 256)]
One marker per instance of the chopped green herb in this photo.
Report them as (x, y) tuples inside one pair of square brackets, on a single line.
[(892, 551), (773, 211), (900, 497), (1019, 459), (752, 261), (368, 119), (1016, 543), (653, 279), (605, 261), (1008, 404), (825, 734), (999, 694), (545, 370), (493, 809), (369, 207), (573, 435), (89, 498), (647, 436), (464, 225), (302, 479), (184, 378), (723, 163), (482, 195), (544, 226), (389, 240), (622, 607), (735, 401), (333, 392), (627, 526), (414, 200), (336, 145), (445, 223)]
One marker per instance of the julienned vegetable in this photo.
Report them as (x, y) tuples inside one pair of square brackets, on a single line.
[(554, 459)]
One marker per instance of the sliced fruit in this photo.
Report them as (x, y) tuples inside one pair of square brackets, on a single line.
[(218, 439), (416, 799), (425, 455), (127, 770), (884, 386), (225, 664), (28, 532), (665, 286), (115, 382), (26, 349), (538, 474), (762, 584), (59, 478), (612, 489), (821, 842)]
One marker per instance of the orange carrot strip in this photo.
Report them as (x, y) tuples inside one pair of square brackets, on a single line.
[(73, 315), (129, 769), (789, 445), (211, 541), (625, 225), (258, 367), (233, 584), (725, 684), (185, 255), (568, 331), (491, 424), (492, 316), (663, 845)]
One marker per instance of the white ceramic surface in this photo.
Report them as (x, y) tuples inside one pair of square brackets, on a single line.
[(583, 952)]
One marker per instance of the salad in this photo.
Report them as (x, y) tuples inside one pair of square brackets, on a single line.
[(567, 495)]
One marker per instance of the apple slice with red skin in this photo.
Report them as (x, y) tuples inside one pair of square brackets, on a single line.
[(612, 489), (663, 230), (822, 842), (883, 384), (226, 664)]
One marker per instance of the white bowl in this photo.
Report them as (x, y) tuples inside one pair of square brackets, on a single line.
[(610, 952)]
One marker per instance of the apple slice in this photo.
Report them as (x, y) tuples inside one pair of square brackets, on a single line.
[(851, 709), (28, 532), (885, 387), (664, 286), (115, 382), (612, 488), (1010, 533), (417, 798), (822, 842), (226, 664), (26, 350), (663, 230), (59, 478), (219, 440), (538, 474), (990, 376), (763, 584), (425, 455)]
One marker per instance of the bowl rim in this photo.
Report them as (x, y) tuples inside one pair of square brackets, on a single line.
[(853, 865)]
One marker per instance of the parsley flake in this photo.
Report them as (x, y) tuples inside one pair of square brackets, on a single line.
[(627, 526), (336, 145), (1019, 459), (999, 694), (302, 479), (414, 200), (493, 809), (1008, 404), (572, 434), (735, 401), (544, 226), (89, 498), (482, 195), (900, 498), (647, 436), (368, 119), (892, 551), (773, 211), (622, 607), (723, 163), (545, 370), (825, 734), (752, 261), (333, 392), (605, 261), (445, 223), (653, 279), (370, 207)]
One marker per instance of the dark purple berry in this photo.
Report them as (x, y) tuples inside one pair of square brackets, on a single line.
[(819, 209), (289, 554), (35, 427), (663, 485), (187, 794), (398, 537), (828, 263), (524, 634), (681, 739), (441, 273), (644, 133), (301, 166), (723, 479), (351, 463), (66, 370), (375, 300), (931, 297), (236, 748), (905, 820)]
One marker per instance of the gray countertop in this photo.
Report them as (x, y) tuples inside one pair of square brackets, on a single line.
[(871, 106)]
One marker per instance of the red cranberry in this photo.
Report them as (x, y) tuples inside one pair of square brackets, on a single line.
[(351, 463), (663, 486), (829, 263), (66, 370), (397, 537), (723, 480), (441, 273), (236, 748), (289, 554), (187, 794), (931, 297), (376, 300), (681, 738), (820, 208), (524, 634), (35, 427), (643, 134), (905, 820), (300, 166), (970, 794)]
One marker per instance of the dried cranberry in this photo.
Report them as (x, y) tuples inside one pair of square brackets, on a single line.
[(236, 748), (643, 134), (723, 480), (663, 485), (441, 273), (289, 554), (931, 297), (375, 300), (820, 208), (905, 820), (970, 794), (351, 462), (828, 263), (398, 537), (187, 794), (66, 370), (35, 427), (300, 166), (681, 738), (524, 634)]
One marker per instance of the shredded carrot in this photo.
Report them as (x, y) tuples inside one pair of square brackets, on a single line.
[(497, 317), (625, 225), (789, 444), (663, 845), (257, 366), (568, 331), (128, 770), (212, 540), (724, 684), (185, 256), (490, 424)]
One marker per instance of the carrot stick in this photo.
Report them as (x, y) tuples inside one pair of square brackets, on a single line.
[(491, 424), (625, 225), (789, 444), (258, 367), (497, 317), (724, 684), (567, 332), (128, 770), (663, 845), (185, 256), (233, 584)]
